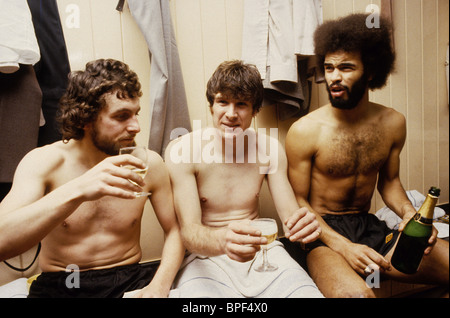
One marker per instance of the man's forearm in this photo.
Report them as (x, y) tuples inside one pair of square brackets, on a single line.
[(171, 259), (394, 196), (204, 240), (328, 236)]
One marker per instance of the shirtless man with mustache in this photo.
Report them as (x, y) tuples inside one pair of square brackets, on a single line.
[(75, 197), (341, 152)]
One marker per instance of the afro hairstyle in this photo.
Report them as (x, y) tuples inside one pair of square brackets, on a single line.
[(351, 34)]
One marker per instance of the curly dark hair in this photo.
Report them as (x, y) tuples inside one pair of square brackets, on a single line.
[(351, 34), (85, 94), (238, 80)]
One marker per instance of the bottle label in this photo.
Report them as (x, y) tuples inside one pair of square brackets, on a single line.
[(420, 219)]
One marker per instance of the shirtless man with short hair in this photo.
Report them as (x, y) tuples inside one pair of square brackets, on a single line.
[(216, 192), (75, 196), (339, 153)]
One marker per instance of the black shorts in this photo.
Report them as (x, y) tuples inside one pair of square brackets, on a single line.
[(364, 229), (102, 283)]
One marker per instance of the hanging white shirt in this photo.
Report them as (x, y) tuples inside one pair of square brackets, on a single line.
[(307, 16), (18, 43), (276, 31)]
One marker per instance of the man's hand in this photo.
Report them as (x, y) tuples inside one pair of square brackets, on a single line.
[(242, 241), (361, 257), (152, 290), (302, 226), (109, 178), (432, 240)]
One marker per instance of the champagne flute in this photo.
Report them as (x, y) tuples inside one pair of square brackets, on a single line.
[(269, 230), (141, 153)]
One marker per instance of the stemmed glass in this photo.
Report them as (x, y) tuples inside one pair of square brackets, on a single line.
[(141, 153), (269, 230)]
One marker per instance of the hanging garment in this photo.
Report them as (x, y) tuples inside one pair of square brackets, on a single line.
[(53, 68), (18, 44), (278, 39), (306, 16), (20, 104), (20, 95), (168, 101), (293, 99)]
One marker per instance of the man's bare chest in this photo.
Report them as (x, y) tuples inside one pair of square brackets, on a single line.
[(345, 152), (108, 212), (230, 182), (107, 215)]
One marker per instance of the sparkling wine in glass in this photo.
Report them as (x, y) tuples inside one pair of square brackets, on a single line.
[(141, 153), (269, 230)]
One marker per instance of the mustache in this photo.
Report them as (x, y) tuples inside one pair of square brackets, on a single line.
[(128, 137), (338, 86)]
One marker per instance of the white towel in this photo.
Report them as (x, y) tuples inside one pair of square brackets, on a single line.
[(221, 277), (16, 289)]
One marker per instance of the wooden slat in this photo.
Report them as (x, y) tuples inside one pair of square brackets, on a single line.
[(190, 45), (106, 29), (79, 40), (398, 78), (414, 114), (443, 106), (234, 11), (429, 97)]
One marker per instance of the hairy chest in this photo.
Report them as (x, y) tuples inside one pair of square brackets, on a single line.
[(344, 152)]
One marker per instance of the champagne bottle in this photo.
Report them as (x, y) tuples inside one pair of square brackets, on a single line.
[(414, 239)]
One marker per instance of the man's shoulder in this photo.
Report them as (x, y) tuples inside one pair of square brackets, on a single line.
[(310, 123), (47, 152), (43, 160), (154, 158), (389, 115), (383, 109), (177, 147), (183, 139)]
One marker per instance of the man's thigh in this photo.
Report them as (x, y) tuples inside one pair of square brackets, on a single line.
[(334, 276)]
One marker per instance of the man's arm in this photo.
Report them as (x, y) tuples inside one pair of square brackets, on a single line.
[(173, 250), (301, 224), (389, 184), (28, 213), (197, 237)]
